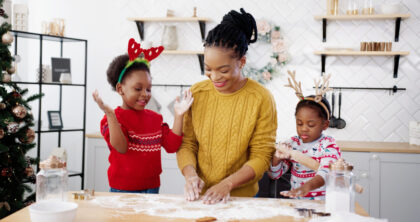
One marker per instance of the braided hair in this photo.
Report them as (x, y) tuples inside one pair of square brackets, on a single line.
[(315, 106), (118, 64), (236, 31)]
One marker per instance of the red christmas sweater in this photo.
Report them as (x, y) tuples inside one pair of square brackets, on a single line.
[(139, 168)]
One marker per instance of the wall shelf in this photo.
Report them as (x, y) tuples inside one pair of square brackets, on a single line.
[(140, 23), (397, 18), (200, 56), (201, 21), (396, 55), (182, 52)]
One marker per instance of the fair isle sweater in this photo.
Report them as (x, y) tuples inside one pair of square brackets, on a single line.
[(324, 150), (139, 168), (223, 132)]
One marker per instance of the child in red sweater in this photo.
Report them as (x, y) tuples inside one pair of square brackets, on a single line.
[(134, 134)]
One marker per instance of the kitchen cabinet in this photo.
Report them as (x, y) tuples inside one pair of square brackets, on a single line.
[(391, 183)]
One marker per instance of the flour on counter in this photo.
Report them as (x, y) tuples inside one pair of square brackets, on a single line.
[(178, 207)]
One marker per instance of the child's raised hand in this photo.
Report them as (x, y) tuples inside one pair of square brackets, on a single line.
[(182, 106), (104, 107), (279, 155)]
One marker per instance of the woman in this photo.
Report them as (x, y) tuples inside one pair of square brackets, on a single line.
[(230, 130)]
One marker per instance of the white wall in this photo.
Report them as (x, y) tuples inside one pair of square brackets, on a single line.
[(370, 115)]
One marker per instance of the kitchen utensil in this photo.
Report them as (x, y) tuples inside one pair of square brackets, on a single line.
[(333, 120), (299, 157), (341, 123)]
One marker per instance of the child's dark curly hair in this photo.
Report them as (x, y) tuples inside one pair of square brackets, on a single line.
[(118, 64), (315, 106)]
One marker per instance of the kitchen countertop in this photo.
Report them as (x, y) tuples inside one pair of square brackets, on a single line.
[(355, 146), (89, 210)]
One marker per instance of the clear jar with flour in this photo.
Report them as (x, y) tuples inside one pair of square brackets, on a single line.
[(340, 186)]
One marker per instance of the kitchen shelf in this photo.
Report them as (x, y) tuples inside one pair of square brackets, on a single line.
[(396, 55), (200, 56), (31, 35), (201, 21), (397, 18), (182, 52), (140, 22), (41, 85), (361, 53), (49, 83), (60, 130)]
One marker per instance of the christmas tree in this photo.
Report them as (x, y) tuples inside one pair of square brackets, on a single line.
[(16, 136)]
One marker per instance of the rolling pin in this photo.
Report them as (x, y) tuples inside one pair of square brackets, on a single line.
[(307, 161)]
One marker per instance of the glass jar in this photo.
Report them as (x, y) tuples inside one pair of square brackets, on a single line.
[(340, 191), (368, 8), (51, 180), (332, 7)]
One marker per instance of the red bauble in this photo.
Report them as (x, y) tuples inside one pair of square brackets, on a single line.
[(4, 172)]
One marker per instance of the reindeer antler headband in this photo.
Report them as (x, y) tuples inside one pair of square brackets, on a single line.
[(134, 51), (320, 89)]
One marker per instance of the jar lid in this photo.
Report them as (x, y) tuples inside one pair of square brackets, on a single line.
[(52, 162), (341, 165)]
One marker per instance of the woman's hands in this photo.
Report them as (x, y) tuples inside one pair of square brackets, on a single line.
[(182, 105), (218, 192), (193, 187)]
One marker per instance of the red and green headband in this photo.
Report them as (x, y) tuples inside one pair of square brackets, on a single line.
[(134, 51)]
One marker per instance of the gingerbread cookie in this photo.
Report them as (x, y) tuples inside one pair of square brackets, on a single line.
[(206, 219)]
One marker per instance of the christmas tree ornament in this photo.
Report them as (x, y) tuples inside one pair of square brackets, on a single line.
[(19, 111), (7, 38), (11, 70), (2, 106), (7, 77), (16, 95), (5, 205), (4, 172), (29, 137), (1, 133), (29, 171), (1, 12), (12, 127)]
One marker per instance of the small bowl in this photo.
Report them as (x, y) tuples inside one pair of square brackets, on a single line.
[(53, 211), (390, 8)]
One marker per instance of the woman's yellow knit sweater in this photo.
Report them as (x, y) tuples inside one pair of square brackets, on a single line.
[(222, 132)]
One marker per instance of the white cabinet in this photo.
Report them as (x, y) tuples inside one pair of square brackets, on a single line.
[(97, 152), (391, 184)]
